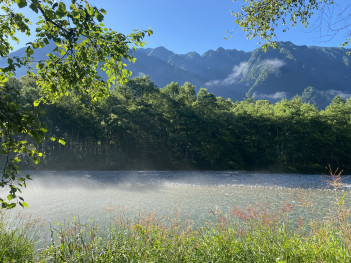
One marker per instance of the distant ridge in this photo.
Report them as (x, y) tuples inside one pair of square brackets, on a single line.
[(317, 73)]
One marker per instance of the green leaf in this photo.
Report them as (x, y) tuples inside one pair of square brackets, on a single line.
[(76, 14), (29, 51), (99, 17), (90, 11), (62, 142), (34, 7), (10, 206), (24, 204), (342, 199), (21, 3), (36, 160), (10, 197), (62, 52), (62, 6)]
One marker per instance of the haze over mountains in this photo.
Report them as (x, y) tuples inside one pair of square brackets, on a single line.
[(316, 73)]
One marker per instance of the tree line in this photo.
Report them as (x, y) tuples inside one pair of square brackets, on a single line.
[(141, 126)]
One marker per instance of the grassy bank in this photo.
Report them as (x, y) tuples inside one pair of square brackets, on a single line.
[(242, 235)]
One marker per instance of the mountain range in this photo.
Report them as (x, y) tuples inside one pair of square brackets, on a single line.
[(318, 74)]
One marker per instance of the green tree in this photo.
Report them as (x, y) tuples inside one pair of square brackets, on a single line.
[(261, 18), (338, 116), (84, 51), (172, 90), (206, 102), (187, 93)]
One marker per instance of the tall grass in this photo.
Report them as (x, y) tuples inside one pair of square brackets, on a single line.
[(254, 234), (18, 237), (242, 235)]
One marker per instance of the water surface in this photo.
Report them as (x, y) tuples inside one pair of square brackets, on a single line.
[(98, 195)]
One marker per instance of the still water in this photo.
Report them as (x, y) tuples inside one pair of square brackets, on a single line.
[(95, 195)]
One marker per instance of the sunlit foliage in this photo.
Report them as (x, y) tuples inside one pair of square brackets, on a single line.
[(87, 58)]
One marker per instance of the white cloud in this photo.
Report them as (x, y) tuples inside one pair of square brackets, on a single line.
[(213, 83), (141, 74), (237, 72), (273, 65), (240, 70), (330, 94), (273, 96)]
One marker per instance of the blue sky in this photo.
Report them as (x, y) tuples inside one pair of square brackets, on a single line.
[(192, 25)]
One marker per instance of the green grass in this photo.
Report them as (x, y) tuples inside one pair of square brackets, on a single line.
[(243, 235), (18, 238)]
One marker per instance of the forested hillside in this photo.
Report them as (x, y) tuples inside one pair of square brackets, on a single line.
[(317, 74), (140, 126), (272, 75)]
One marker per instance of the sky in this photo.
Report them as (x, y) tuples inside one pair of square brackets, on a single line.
[(184, 26)]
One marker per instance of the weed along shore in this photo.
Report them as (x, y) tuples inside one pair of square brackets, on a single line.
[(295, 231), (243, 235)]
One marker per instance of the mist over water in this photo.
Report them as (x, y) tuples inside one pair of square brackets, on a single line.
[(96, 195)]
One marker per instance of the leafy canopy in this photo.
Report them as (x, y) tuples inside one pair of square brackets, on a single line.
[(84, 49), (261, 18)]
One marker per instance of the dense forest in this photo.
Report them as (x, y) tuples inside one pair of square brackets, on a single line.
[(141, 126)]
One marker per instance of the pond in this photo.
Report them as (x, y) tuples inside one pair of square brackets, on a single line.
[(58, 196)]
